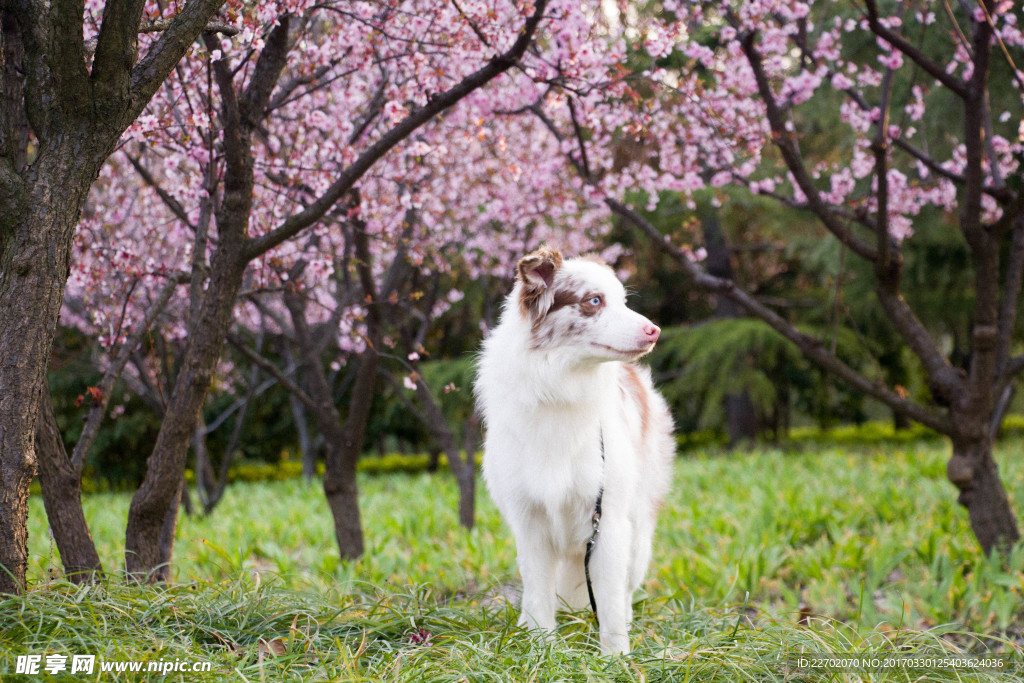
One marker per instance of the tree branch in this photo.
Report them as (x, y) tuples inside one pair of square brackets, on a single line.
[(944, 378), (434, 106), (54, 63), (14, 127), (813, 348), (888, 265), (117, 48), (212, 26), (934, 69), (271, 62), (784, 141), (99, 408), (983, 372), (151, 71), (166, 197), (274, 371)]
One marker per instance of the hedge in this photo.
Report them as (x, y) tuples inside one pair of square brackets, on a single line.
[(867, 434)]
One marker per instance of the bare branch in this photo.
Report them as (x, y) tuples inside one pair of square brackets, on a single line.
[(151, 392), (945, 380), (287, 382), (166, 197), (214, 424), (285, 92), (584, 164), (373, 109)]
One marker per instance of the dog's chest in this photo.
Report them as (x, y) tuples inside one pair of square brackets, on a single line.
[(560, 481)]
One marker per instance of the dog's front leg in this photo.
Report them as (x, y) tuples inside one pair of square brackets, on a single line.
[(610, 575), (537, 564)]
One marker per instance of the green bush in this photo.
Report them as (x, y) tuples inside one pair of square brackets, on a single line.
[(698, 366)]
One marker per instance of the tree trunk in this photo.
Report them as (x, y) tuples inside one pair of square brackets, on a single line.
[(900, 422), (205, 477), (22, 350), (342, 444), (975, 473), (432, 417), (306, 451), (740, 419), (35, 260), (342, 495), (341, 453), (167, 533), (77, 117), (467, 480), (153, 512), (434, 460), (740, 416), (62, 497)]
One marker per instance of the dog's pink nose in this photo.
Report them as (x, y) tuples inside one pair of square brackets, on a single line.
[(652, 331)]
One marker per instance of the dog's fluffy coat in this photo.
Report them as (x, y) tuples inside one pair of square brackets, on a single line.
[(557, 378)]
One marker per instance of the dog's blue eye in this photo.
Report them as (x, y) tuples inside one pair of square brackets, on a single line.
[(595, 301)]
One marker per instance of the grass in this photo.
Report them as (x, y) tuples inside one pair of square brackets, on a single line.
[(760, 558)]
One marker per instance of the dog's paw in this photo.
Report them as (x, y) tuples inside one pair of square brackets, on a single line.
[(614, 644)]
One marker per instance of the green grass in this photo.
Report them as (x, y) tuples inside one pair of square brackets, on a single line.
[(759, 557)]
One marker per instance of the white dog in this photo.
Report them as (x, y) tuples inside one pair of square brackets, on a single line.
[(574, 424)]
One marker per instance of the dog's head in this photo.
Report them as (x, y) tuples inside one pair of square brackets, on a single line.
[(579, 305)]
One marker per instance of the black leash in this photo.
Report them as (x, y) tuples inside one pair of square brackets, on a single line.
[(595, 519)]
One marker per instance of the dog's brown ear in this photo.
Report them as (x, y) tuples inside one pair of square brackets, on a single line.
[(537, 271)]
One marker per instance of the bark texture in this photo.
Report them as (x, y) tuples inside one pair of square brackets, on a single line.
[(974, 472), (34, 266), (61, 483), (464, 469), (152, 517)]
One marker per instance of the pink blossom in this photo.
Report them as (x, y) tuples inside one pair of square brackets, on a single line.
[(891, 60)]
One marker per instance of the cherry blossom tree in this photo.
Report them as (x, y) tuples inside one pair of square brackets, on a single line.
[(262, 151), (922, 104), (65, 105)]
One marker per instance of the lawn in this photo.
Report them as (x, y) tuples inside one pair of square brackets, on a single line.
[(761, 559)]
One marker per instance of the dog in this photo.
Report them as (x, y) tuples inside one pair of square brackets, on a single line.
[(579, 445)]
